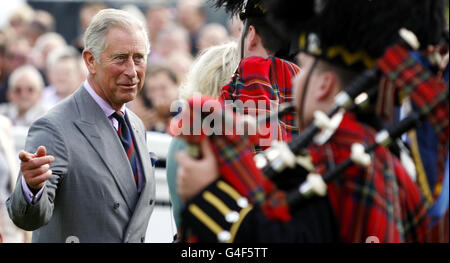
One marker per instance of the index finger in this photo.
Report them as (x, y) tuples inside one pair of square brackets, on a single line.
[(25, 156), (37, 162), (41, 151)]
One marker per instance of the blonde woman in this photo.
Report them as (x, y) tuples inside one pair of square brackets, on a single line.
[(211, 70)]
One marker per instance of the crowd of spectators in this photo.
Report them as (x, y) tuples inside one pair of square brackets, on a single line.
[(39, 68)]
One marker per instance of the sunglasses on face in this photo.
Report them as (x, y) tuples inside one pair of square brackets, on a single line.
[(15, 57), (24, 90)]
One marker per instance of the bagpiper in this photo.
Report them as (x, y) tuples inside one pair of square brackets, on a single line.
[(343, 178)]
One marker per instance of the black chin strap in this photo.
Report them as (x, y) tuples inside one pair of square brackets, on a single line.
[(236, 76), (244, 32), (305, 89)]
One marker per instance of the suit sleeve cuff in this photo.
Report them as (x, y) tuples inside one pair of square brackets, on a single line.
[(216, 214), (29, 196)]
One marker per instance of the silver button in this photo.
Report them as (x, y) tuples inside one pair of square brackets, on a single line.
[(224, 236), (232, 217), (242, 202)]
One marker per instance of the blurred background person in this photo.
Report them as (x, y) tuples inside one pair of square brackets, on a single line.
[(234, 26), (9, 169), (45, 44), (6, 9), (16, 54), (24, 94), (87, 12), (212, 34), (172, 39), (159, 17), (20, 19), (136, 12), (180, 62), (191, 14), (65, 73), (42, 22), (153, 103)]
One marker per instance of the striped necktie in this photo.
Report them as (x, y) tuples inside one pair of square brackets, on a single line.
[(127, 142)]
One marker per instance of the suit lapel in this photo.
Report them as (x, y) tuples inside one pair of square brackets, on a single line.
[(97, 129)]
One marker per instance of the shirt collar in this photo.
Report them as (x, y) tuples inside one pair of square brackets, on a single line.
[(105, 106)]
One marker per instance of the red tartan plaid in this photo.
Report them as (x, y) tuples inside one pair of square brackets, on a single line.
[(267, 80), (235, 154), (414, 80), (424, 88), (380, 200)]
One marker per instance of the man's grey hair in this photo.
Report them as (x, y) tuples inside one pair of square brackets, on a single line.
[(95, 35)]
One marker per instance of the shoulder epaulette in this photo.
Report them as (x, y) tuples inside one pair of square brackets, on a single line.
[(216, 214)]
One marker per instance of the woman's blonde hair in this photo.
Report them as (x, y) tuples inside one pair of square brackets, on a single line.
[(211, 70)]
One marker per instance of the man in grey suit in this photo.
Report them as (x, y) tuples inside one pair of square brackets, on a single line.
[(90, 178)]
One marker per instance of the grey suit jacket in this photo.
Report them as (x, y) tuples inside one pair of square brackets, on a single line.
[(92, 195)]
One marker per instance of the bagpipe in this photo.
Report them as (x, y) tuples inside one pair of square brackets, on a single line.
[(413, 82), (255, 176)]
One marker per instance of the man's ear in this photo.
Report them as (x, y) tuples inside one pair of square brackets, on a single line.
[(89, 60), (252, 38), (328, 84)]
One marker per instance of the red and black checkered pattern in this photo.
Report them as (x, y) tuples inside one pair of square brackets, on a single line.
[(235, 154), (407, 77), (380, 200), (268, 80)]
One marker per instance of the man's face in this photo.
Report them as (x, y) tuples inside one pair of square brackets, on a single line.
[(25, 93), (161, 91), (65, 76), (157, 18), (189, 15), (121, 72), (305, 111), (16, 55)]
